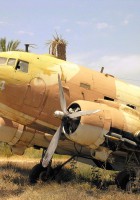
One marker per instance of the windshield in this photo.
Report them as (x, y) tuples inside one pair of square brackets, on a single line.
[(22, 66), (11, 61)]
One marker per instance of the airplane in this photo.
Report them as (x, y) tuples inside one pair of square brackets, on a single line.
[(68, 109)]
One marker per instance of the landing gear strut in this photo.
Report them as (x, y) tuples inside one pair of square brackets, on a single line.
[(38, 172)]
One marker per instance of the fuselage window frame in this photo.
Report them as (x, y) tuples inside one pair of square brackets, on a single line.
[(22, 66), (3, 60), (11, 62)]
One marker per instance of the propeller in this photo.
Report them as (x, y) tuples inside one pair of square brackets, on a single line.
[(64, 114)]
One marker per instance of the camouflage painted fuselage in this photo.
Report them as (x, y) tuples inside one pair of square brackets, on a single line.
[(30, 96)]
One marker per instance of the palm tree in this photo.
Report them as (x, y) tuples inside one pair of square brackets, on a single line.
[(57, 47), (9, 46)]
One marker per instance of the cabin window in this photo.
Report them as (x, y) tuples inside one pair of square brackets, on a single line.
[(22, 66), (108, 98), (3, 60), (131, 106), (11, 61)]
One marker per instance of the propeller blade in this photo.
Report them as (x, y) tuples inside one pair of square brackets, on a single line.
[(52, 147), (62, 97), (82, 113)]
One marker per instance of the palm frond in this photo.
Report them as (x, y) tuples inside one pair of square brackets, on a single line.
[(57, 46), (10, 46), (3, 44)]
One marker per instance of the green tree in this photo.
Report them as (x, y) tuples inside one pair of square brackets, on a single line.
[(12, 45)]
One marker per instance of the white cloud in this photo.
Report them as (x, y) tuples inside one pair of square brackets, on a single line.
[(127, 20), (68, 30), (21, 32), (2, 22), (65, 20), (95, 24), (83, 23), (124, 67), (86, 22), (102, 25), (5, 23), (57, 27)]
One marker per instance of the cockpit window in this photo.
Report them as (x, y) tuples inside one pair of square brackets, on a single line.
[(11, 61), (3, 60), (22, 66)]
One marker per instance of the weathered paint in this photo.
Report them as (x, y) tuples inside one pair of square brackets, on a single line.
[(128, 93), (31, 98)]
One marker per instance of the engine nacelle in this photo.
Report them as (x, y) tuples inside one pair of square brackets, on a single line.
[(86, 130), (91, 130)]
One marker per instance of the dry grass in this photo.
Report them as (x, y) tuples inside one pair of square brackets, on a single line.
[(69, 184)]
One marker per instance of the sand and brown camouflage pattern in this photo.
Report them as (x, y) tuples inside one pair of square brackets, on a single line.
[(30, 97)]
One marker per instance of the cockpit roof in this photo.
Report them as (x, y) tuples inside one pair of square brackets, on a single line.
[(26, 56)]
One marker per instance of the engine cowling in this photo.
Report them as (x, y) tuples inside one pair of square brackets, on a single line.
[(86, 130), (91, 130)]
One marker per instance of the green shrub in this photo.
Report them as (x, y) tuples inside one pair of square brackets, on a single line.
[(5, 150)]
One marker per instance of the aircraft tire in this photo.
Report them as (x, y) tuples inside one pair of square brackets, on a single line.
[(46, 175), (35, 173), (129, 187), (123, 178)]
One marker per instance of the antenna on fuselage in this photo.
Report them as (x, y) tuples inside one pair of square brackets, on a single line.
[(29, 45), (102, 69)]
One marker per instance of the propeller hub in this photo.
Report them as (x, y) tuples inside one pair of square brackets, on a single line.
[(71, 124), (59, 114)]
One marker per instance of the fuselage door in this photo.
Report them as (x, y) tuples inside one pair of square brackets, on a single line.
[(35, 97), (35, 93), (21, 79)]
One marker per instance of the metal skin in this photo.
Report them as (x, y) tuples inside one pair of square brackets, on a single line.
[(29, 97)]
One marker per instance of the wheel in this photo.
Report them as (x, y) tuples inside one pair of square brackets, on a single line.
[(130, 187), (35, 173), (133, 187), (123, 178), (46, 175)]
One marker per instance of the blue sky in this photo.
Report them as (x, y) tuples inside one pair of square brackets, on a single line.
[(99, 32)]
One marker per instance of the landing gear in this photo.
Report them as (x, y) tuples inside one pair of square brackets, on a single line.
[(131, 187), (129, 180), (122, 179), (38, 172)]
